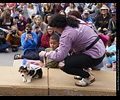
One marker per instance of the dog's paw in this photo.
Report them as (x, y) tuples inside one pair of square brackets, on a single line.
[(28, 81), (24, 80)]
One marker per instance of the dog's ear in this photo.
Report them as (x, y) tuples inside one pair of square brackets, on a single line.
[(28, 67), (20, 68)]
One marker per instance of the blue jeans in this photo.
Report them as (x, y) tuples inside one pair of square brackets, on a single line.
[(4, 46)]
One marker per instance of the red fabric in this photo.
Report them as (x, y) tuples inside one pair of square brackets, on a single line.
[(58, 8), (11, 5), (104, 38), (45, 41)]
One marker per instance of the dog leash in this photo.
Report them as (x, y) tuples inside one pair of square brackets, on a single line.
[(47, 75)]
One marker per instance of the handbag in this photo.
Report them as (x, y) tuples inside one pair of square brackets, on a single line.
[(104, 38)]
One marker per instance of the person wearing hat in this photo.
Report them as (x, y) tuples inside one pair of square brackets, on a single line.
[(102, 20), (16, 21), (112, 27), (85, 16)]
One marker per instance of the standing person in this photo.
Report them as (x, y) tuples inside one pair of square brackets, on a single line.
[(75, 36)]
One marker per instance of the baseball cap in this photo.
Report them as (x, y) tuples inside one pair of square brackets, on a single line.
[(15, 16), (86, 12), (113, 12)]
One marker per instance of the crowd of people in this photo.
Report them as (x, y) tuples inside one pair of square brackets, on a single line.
[(28, 26)]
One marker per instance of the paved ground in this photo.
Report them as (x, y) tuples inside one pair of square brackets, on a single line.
[(7, 59)]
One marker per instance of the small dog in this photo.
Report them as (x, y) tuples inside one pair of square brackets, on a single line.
[(29, 71)]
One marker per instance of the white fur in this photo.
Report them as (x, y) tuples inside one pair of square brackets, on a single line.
[(26, 78)]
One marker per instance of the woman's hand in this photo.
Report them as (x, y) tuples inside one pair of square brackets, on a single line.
[(42, 53)]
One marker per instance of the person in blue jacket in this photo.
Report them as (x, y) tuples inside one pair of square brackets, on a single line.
[(85, 16), (29, 44), (111, 49)]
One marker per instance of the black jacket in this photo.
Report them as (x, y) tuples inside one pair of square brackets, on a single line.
[(112, 27), (5, 26), (102, 22)]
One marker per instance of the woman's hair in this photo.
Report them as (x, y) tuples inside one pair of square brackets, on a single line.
[(29, 26), (46, 31), (13, 26), (80, 9), (73, 5), (98, 5), (45, 17), (75, 13), (48, 8), (38, 16), (60, 21), (4, 14), (62, 11), (31, 6)]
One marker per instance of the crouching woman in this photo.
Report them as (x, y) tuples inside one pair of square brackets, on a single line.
[(78, 37)]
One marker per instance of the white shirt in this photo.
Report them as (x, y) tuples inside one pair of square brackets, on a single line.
[(69, 9), (31, 11)]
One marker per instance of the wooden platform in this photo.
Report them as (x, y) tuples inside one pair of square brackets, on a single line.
[(62, 84), (59, 84)]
